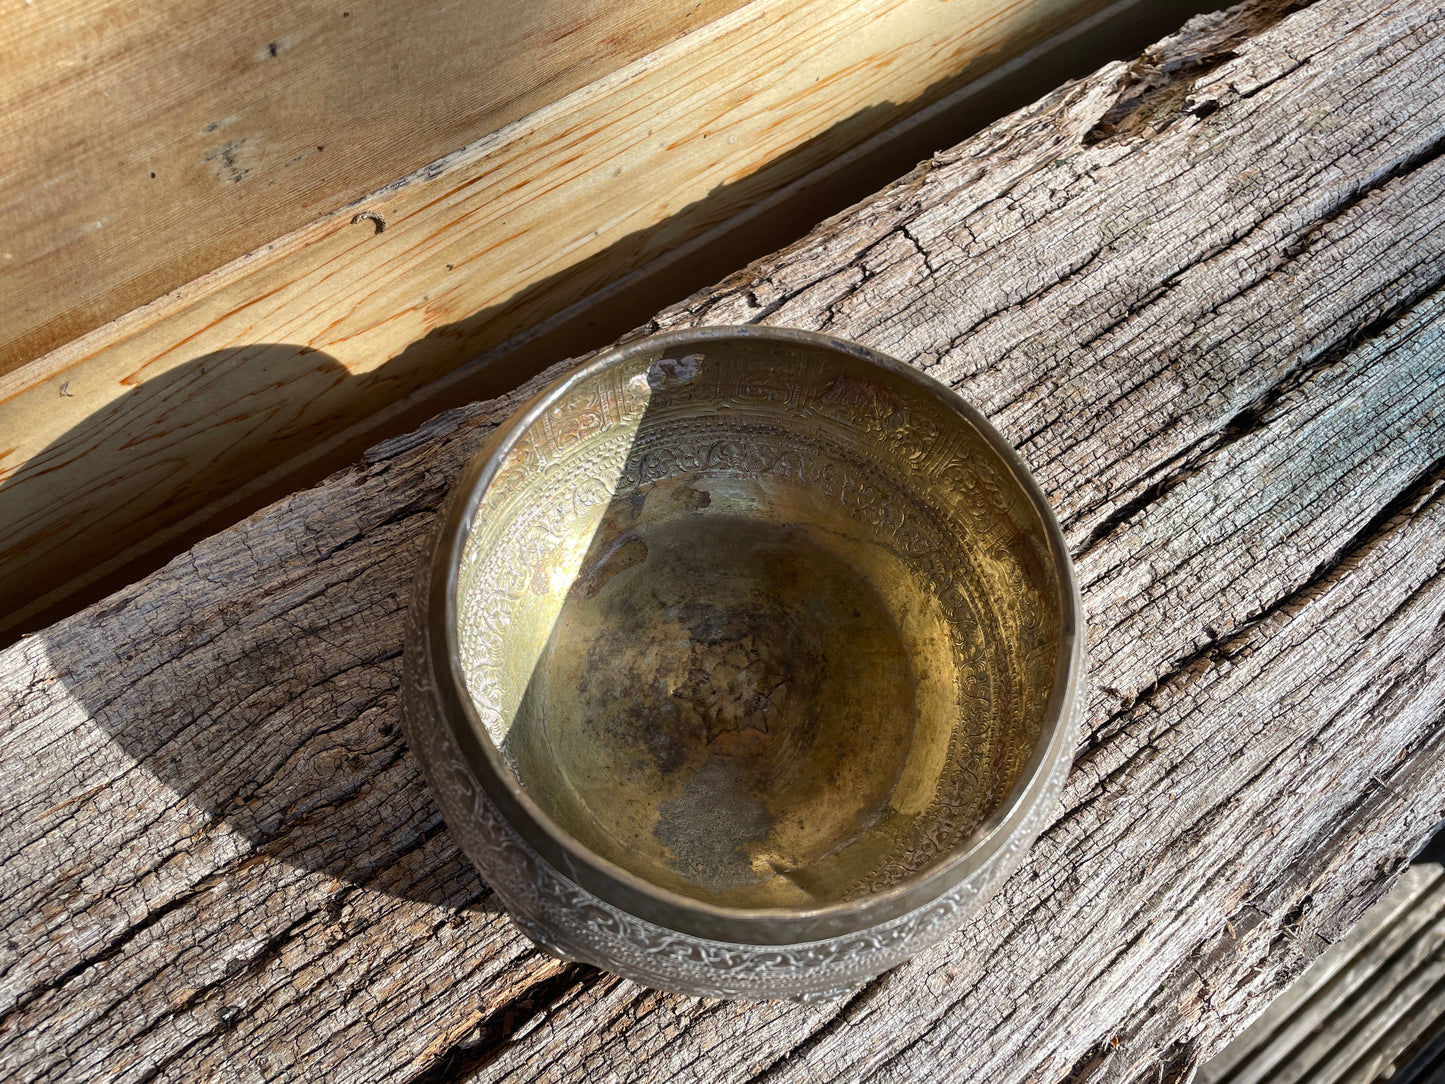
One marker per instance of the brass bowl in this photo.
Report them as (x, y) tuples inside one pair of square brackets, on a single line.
[(745, 663)]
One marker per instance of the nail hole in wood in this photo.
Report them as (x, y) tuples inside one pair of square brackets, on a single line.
[(372, 216)]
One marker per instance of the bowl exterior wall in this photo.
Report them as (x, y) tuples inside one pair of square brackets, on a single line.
[(571, 923), (551, 892)]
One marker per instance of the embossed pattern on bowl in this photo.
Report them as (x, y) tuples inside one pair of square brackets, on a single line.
[(745, 664)]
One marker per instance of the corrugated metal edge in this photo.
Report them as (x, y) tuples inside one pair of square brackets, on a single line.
[(1371, 1008)]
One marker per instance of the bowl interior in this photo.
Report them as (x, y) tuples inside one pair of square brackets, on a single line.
[(768, 625)]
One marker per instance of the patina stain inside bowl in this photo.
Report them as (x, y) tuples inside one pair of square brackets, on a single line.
[(763, 625), (732, 711)]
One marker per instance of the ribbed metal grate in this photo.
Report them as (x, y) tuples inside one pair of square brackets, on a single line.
[(1370, 1009)]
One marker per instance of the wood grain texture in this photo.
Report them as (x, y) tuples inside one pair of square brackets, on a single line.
[(110, 442), (1204, 293), (149, 144)]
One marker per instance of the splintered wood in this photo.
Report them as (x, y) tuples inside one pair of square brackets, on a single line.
[(1202, 293)]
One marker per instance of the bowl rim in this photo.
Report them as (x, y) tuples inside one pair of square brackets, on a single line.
[(621, 887)]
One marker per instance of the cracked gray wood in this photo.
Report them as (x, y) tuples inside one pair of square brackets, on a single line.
[(1205, 295)]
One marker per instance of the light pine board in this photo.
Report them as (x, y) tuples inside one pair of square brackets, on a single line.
[(116, 439), (1202, 293), (148, 144)]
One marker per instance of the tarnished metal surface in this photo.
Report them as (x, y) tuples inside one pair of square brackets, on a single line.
[(756, 635)]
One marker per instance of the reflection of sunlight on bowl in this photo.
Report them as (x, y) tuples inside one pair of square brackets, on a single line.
[(747, 638)]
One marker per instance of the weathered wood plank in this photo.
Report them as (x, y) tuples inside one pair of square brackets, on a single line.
[(221, 862), (110, 441)]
